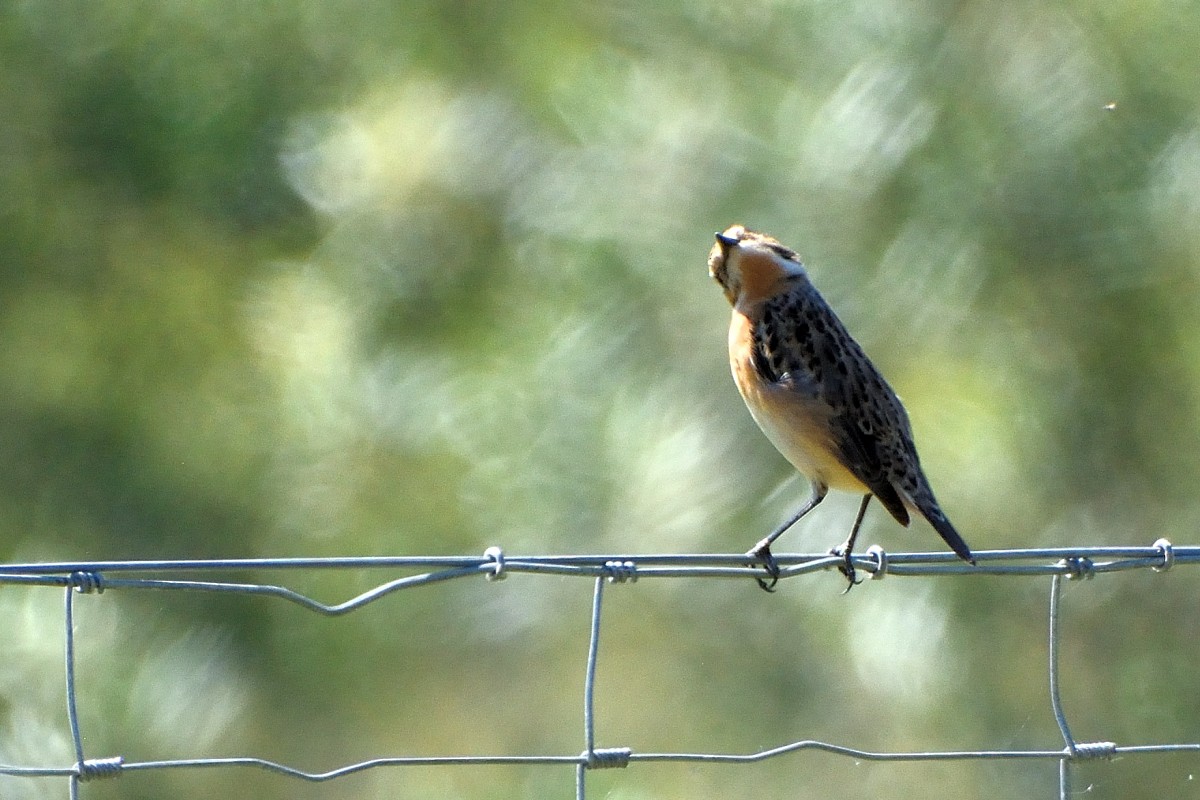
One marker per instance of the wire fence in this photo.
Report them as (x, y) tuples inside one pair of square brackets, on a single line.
[(1058, 564)]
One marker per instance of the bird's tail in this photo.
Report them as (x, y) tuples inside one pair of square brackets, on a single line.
[(930, 509)]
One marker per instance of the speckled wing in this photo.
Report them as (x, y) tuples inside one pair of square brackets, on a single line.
[(800, 343)]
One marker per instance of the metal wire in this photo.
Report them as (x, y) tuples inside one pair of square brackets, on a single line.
[(1058, 563)]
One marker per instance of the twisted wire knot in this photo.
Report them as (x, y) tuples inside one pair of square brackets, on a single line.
[(1078, 568), (1094, 750), (881, 562), (607, 757), (1167, 550), (620, 571), (86, 582), (496, 556), (99, 767)]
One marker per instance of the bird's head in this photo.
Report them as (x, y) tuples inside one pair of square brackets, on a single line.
[(743, 261)]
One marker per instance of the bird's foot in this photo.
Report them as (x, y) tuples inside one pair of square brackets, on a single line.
[(847, 566), (761, 553)]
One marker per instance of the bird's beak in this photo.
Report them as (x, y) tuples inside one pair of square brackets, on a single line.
[(726, 242)]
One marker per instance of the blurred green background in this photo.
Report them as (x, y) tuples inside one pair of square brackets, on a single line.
[(306, 278)]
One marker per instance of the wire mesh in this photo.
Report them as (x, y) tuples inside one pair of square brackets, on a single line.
[(1058, 564)]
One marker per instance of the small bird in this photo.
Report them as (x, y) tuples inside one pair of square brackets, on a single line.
[(815, 394)]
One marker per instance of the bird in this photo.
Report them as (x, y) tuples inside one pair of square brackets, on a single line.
[(815, 394)]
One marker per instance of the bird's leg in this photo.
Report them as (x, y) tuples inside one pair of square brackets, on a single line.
[(846, 549), (762, 551)]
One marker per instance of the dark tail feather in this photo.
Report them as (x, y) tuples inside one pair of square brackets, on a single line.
[(890, 499), (942, 525)]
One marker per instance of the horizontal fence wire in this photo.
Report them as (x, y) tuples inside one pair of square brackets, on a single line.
[(1058, 564)]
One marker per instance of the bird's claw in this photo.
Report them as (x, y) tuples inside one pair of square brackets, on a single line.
[(762, 555), (846, 567)]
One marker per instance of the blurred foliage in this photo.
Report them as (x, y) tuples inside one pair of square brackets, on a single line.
[(300, 278)]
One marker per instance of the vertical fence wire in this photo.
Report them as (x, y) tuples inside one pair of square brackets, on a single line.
[(589, 693), (72, 710), (1064, 764)]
